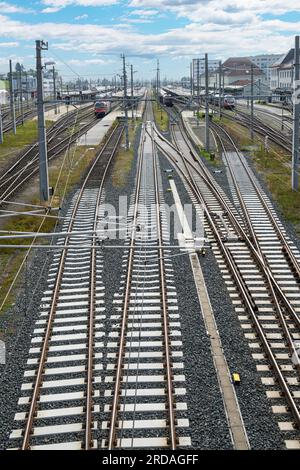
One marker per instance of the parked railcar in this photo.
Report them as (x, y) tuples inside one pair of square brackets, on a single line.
[(229, 102), (101, 108), (168, 100)]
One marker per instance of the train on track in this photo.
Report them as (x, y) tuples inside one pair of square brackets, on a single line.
[(227, 102), (102, 108), (166, 99)]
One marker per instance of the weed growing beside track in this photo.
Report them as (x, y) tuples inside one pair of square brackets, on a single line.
[(161, 117), (26, 135), (125, 158)]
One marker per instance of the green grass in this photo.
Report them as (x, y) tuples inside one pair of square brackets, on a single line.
[(278, 179), (211, 157), (11, 259), (124, 160), (161, 117), (26, 135), (201, 114)]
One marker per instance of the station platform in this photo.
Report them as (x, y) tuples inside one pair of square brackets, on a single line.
[(62, 109), (196, 129), (96, 134)]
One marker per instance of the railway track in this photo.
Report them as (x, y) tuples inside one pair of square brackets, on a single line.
[(260, 266), (148, 398), (144, 399), (263, 129), (242, 117), (27, 115), (59, 393), (27, 163)]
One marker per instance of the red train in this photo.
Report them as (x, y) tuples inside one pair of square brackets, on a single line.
[(101, 108)]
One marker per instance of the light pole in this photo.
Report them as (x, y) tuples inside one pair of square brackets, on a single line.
[(21, 94), (296, 116), (54, 82), (206, 106), (1, 125), (12, 99), (54, 88), (132, 91), (220, 81), (252, 103), (192, 80), (125, 102), (44, 177), (27, 97)]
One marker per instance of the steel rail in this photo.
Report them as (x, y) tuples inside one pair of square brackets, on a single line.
[(54, 130), (45, 346), (278, 308), (286, 247), (205, 174), (92, 297), (116, 394), (59, 148), (233, 268), (166, 326)]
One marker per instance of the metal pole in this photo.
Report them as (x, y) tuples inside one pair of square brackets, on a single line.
[(296, 116), (206, 106), (1, 126), (12, 99), (220, 82), (54, 88), (223, 86), (252, 104), (27, 97), (198, 89), (191, 71), (44, 179), (157, 78), (21, 95), (125, 102), (131, 69)]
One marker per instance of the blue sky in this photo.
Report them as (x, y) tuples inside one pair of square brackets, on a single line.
[(86, 37)]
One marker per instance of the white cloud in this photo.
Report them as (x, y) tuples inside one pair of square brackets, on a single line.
[(83, 63), (234, 29), (144, 13), (6, 7), (9, 44), (51, 10), (229, 10), (81, 17), (56, 5)]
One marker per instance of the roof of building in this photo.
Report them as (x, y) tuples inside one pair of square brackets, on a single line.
[(239, 66), (285, 61), (241, 82)]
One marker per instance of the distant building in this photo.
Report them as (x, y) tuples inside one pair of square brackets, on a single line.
[(3, 92), (242, 88), (264, 62), (282, 72), (237, 69), (199, 68)]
